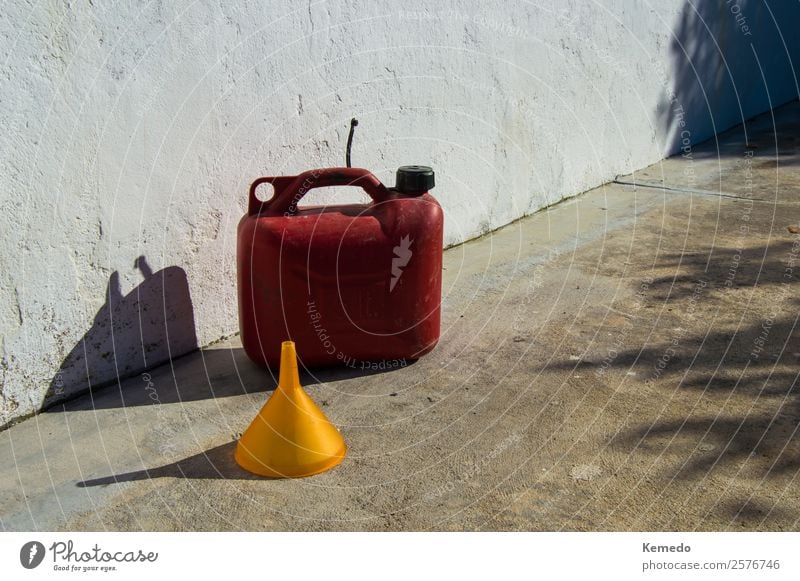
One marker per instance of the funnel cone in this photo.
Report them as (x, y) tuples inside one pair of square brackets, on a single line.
[(290, 437)]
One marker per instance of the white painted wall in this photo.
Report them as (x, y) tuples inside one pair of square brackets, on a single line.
[(133, 129)]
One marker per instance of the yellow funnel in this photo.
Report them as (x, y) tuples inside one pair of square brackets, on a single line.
[(290, 437)]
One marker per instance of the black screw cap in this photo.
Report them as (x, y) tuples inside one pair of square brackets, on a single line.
[(414, 179)]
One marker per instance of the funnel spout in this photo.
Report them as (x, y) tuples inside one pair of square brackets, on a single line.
[(289, 374)]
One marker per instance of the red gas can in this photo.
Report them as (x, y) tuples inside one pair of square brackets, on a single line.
[(349, 284)]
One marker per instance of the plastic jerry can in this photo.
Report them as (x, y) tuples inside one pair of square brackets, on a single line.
[(349, 284)]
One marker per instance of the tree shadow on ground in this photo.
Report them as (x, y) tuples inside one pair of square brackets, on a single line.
[(724, 268), (751, 367)]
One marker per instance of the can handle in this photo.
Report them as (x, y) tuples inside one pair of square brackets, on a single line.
[(289, 190)]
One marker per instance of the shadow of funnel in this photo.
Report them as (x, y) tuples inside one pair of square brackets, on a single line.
[(216, 463)]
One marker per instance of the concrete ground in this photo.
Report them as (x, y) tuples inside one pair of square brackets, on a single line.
[(626, 360)]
